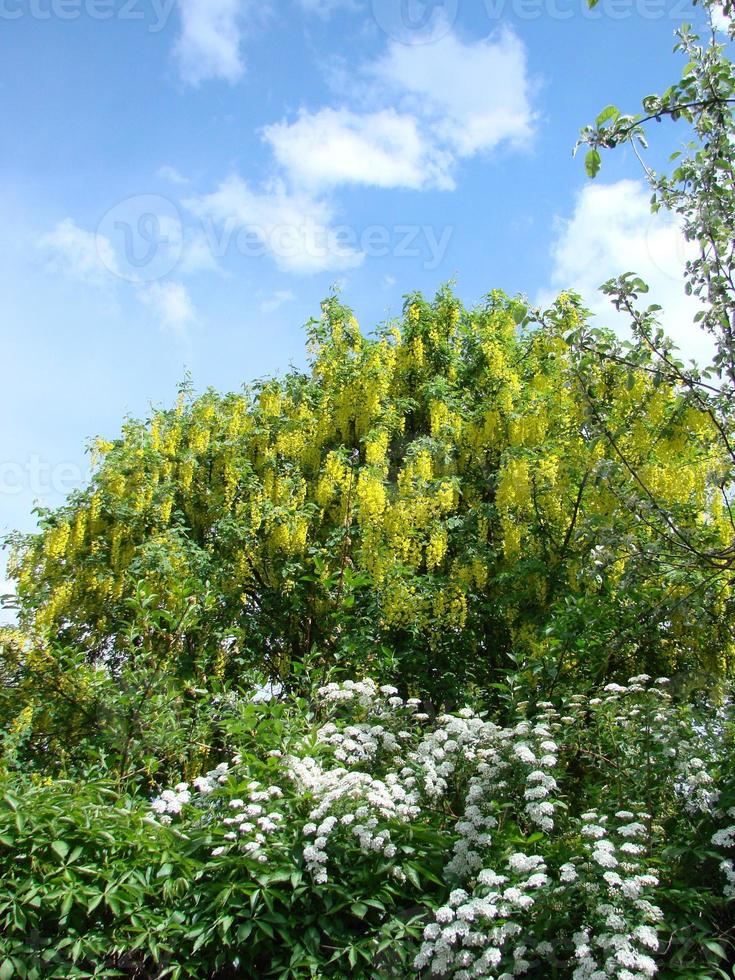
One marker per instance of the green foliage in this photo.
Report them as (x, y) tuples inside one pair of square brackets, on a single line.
[(99, 883), (80, 881), (699, 191)]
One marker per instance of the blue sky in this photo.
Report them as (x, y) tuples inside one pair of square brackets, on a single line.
[(182, 182)]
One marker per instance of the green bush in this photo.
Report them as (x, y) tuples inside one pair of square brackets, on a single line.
[(356, 834)]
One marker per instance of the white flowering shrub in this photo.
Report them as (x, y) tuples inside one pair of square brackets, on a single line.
[(530, 848), (361, 833)]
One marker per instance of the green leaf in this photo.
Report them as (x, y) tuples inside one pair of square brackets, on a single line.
[(592, 162), (608, 113), (61, 848), (6, 970), (715, 948)]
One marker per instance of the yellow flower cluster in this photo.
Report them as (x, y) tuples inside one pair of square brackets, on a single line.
[(56, 541), (514, 487), (436, 549)]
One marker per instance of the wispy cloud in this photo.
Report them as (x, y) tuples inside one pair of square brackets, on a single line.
[(612, 231), (427, 107), (276, 301), (172, 175), (90, 258), (293, 226), (472, 96), (325, 8), (209, 44), (454, 99), (171, 304), (79, 254)]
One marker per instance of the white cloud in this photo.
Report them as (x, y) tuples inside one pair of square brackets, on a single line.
[(79, 254), (276, 301), (720, 20), (454, 99), (427, 106), (172, 175), (612, 231), (473, 95), (209, 44), (380, 149), (325, 8), (171, 303), (197, 253), (89, 258), (294, 227)]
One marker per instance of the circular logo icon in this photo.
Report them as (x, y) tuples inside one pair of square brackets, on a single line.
[(415, 21), (141, 238)]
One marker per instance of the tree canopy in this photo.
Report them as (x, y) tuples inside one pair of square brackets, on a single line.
[(447, 492)]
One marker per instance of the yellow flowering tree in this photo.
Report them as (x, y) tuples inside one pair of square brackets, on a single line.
[(698, 190), (430, 497)]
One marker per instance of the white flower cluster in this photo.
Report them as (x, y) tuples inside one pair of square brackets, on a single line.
[(471, 932), (673, 744), (496, 928), (252, 822), (170, 802), (725, 839), (359, 743), (353, 804), (376, 765), (696, 785), (619, 936), (215, 777), (492, 764), (248, 822), (508, 763), (728, 869), (363, 693)]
